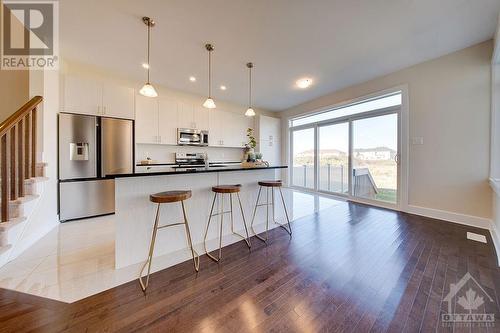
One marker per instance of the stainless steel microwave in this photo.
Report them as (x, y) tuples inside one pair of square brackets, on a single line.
[(192, 137)]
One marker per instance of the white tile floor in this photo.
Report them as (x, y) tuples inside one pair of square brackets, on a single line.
[(77, 260)]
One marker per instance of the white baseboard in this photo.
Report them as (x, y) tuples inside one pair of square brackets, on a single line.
[(473, 221), (495, 235)]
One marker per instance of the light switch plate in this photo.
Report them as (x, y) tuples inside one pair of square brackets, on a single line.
[(417, 140)]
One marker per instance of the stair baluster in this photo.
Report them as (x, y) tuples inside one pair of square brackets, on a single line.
[(18, 135)]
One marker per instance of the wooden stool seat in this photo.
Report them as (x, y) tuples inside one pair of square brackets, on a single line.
[(271, 183), (170, 196), (227, 188)]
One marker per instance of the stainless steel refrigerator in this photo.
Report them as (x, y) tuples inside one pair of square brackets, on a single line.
[(90, 148)]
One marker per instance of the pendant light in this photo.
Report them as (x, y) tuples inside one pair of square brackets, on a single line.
[(209, 102), (250, 112), (148, 90)]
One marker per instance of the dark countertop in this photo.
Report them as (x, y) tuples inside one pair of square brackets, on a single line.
[(167, 170)]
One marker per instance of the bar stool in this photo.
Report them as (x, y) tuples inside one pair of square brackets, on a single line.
[(225, 189), (168, 197), (270, 185)]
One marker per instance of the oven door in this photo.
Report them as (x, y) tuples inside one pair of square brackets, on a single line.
[(190, 137)]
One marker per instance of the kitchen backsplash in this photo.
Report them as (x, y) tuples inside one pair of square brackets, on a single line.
[(165, 154)]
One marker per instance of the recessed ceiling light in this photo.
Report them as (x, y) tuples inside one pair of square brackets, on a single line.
[(223, 87), (303, 83), (192, 79), (145, 65)]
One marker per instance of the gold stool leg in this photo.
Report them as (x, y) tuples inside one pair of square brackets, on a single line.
[(206, 231), (267, 213), (196, 257), (151, 250), (244, 221), (289, 230), (246, 239), (253, 217)]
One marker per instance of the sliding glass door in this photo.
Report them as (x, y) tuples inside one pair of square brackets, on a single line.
[(354, 153), (333, 162), (374, 159), (303, 158)]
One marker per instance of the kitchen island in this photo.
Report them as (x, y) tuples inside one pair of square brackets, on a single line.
[(135, 213)]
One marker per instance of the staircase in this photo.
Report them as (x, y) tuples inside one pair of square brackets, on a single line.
[(21, 175)]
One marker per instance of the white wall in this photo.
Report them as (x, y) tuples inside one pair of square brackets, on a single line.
[(449, 106), (163, 153)]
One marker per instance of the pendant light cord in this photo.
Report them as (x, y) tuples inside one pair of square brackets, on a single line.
[(209, 74), (149, 45), (250, 87)]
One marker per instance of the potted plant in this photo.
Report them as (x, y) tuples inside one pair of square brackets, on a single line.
[(250, 147)]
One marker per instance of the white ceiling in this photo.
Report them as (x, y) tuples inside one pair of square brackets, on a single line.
[(336, 43)]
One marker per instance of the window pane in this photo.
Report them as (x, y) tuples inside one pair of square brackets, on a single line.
[(334, 158), (369, 105), (303, 158), (375, 171)]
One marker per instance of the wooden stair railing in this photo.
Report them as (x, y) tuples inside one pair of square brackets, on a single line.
[(18, 135)]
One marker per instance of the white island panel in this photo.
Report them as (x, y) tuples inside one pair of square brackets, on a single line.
[(135, 213)]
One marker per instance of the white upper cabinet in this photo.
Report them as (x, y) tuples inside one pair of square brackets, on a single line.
[(228, 129), (81, 96), (185, 115), (201, 117), (146, 120), (193, 116), (269, 128), (118, 101), (269, 138), (168, 121), (217, 126), (87, 96), (239, 125)]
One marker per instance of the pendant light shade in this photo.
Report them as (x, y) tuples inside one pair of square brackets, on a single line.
[(209, 102), (148, 90), (250, 112)]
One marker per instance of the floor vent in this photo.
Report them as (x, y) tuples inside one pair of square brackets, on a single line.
[(476, 237)]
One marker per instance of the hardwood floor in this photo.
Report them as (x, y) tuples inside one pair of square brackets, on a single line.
[(349, 268)]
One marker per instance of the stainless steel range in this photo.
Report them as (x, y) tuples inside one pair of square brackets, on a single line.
[(191, 160)]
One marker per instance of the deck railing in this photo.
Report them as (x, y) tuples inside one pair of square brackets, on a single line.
[(18, 135)]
